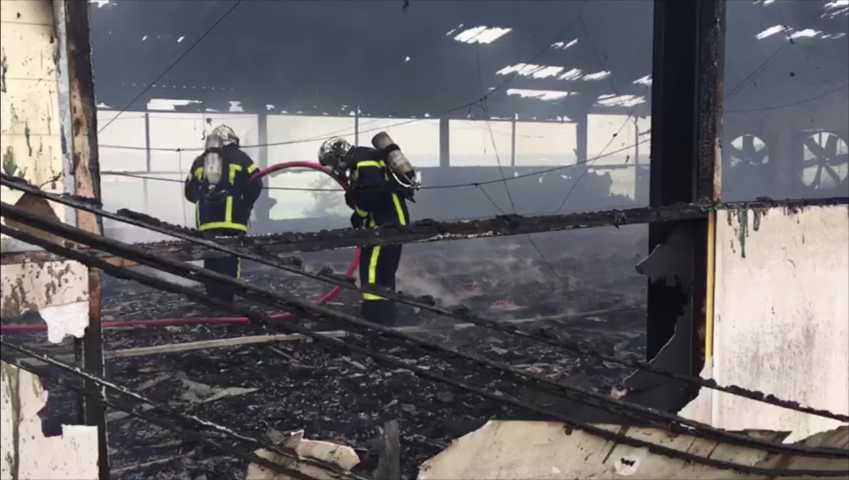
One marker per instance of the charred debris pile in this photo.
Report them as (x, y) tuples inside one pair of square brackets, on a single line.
[(271, 388)]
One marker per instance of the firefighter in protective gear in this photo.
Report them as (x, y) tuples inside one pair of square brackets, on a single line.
[(219, 185), (377, 200)]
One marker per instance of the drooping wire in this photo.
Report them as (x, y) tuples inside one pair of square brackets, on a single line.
[(475, 184), (491, 201), (264, 259), (587, 169), (172, 65), (466, 105), (182, 201), (840, 88), (266, 298), (269, 298), (197, 424)]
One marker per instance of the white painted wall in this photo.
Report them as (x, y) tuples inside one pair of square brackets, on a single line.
[(26, 452), (781, 317), (30, 134), (30, 130)]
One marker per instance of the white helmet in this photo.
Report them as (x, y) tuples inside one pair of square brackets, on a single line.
[(221, 136), (333, 152)]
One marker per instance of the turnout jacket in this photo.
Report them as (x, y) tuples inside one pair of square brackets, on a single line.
[(229, 205), (375, 196)]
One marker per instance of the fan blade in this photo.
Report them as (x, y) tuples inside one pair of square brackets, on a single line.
[(749, 145), (815, 148), (831, 146), (833, 175), (818, 177), (839, 159)]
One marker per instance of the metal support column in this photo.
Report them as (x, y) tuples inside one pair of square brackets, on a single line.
[(87, 184), (262, 207), (686, 119), (146, 162), (357, 126), (513, 141), (637, 192), (582, 136), (444, 141)]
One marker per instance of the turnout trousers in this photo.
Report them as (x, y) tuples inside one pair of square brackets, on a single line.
[(378, 265), (228, 265)]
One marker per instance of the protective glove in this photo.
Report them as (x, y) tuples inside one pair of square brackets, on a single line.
[(351, 199), (217, 194), (357, 221)]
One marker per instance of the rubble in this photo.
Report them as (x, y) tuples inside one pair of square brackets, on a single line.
[(290, 385)]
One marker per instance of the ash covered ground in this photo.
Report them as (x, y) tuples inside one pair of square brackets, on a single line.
[(341, 397)]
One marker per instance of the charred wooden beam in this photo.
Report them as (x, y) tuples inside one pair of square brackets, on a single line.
[(86, 173), (486, 323), (275, 245), (687, 70), (270, 299)]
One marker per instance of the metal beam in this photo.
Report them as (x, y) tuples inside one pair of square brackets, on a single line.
[(262, 207), (686, 118), (444, 142), (256, 295), (513, 141), (147, 166), (422, 231), (87, 184)]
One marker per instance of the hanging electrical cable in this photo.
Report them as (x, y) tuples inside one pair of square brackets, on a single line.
[(289, 302), (73, 233), (425, 187), (201, 428), (171, 66), (464, 316), (466, 105)]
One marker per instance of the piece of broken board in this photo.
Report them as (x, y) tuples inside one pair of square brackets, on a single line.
[(343, 457), (512, 450), (26, 452)]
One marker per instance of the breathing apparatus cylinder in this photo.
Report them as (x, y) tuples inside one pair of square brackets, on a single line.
[(212, 167), (212, 161), (398, 164)]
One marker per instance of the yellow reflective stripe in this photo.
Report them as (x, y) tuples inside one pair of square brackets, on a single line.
[(371, 163), (199, 173), (233, 169), (400, 211), (372, 265), (252, 168), (372, 274), (361, 213), (232, 225), (228, 219), (228, 209)]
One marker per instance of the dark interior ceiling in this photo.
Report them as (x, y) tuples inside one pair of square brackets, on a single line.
[(329, 56)]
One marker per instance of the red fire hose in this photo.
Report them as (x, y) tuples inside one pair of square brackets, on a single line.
[(163, 322), (355, 262)]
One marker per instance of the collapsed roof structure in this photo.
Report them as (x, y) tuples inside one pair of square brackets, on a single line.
[(717, 362)]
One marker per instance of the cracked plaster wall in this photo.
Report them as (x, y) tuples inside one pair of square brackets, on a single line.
[(781, 318), (31, 147)]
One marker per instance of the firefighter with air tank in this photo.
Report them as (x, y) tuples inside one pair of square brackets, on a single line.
[(381, 182), (220, 186)]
